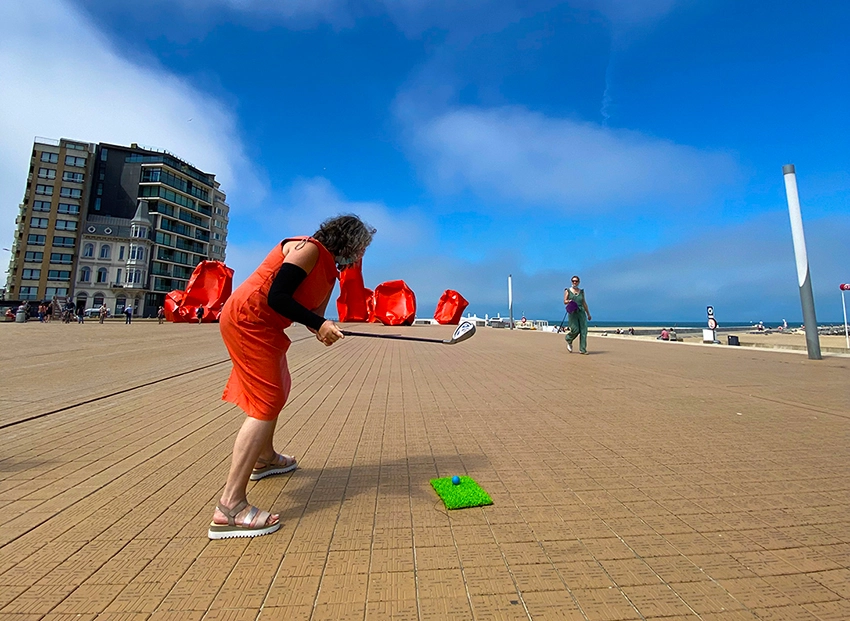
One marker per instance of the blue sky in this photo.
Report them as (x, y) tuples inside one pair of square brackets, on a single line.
[(637, 144)]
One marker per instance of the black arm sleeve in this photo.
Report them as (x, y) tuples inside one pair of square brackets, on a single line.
[(281, 300)]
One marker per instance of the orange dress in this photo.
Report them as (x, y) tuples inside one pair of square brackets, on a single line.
[(254, 333)]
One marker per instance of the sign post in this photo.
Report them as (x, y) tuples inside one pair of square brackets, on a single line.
[(712, 323), (804, 280), (845, 287), (510, 302)]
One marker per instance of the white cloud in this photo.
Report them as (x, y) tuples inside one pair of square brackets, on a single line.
[(403, 233), (513, 154), (62, 78)]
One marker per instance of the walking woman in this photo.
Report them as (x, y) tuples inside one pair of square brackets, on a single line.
[(293, 284), (579, 315)]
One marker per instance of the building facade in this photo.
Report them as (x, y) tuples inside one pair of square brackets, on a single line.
[(154, 216), (46, 244)]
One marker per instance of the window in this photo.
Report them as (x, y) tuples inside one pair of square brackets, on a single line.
[(102, 274), (47, 173), (28, 293), (41, 206), (85, 274), (81, 299), (140, 231), (137, 253), (70, 192), (71, 160), (31, 274), (134, 277), (103, 154), (38, 223), (104, 251), (66, 225), (58, 275), (98, 300), (61, 257), (97, 204), (88, 250), (36, 240), (63, 242), (216, 236), (47, 190), (73, 177), (33, 256), (119, 305), (59, 292), (120, 253), (69, 208), (50, 158)]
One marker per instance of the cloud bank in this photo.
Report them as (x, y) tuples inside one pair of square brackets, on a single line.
[(514, 154), (62, 79)]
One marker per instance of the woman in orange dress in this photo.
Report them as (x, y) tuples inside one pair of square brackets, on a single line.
[(293, 284)]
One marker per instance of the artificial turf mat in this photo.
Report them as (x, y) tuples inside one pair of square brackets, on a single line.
[(467, 494)]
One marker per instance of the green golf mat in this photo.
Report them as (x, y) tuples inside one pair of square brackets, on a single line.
[(467, 494)]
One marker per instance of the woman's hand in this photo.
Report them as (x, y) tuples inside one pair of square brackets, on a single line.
[(329, 333), (589, 317)]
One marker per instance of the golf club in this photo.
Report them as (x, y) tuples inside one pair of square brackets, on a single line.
[(463, 332)]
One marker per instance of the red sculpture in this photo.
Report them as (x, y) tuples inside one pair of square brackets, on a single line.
[(209, 287), (353, 301), (450, 307), (395, 303)]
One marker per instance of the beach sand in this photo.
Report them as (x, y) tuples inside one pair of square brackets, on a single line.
[(643, 481)]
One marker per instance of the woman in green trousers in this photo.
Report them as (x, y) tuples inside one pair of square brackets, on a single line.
[(579, 317)]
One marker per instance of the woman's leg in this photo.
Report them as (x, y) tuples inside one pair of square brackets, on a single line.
[(574, 327), (252, 438), (582, 344)]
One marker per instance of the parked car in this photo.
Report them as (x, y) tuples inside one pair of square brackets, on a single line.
[(95, 312)]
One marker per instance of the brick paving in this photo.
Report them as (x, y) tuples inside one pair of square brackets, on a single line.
[(643, 481)]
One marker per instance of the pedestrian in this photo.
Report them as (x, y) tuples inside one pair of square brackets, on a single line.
[(128, 313), (160, 314), (200, 314), (293, 284), (81, 314), (102, 312), (579, 314)]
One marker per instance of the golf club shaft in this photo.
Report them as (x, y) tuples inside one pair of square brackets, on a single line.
[(397, 337)]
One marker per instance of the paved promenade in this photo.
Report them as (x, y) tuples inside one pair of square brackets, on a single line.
[(646, 480)]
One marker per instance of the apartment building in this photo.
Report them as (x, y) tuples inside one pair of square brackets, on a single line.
[(45, 247), (83, 200)]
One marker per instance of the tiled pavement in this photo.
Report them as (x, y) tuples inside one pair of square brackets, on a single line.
[(644, 481)]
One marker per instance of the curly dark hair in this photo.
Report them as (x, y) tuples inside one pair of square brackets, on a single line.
[(345, 236)]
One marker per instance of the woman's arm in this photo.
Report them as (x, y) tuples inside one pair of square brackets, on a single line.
[(300, 257), (586, 309), (566, 295)]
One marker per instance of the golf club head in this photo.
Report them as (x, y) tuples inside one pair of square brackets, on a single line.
[(464, 331)]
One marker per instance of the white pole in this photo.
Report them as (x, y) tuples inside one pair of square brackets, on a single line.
[(510, 302), (844, 306), (804, 279)]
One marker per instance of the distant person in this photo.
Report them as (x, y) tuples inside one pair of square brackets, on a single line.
[(200, 314), (673, 335), (102, 312), (81, 315), (128, 313), (160, 314), (48, 312), (665, 335), (42, 313), (579, 315), (632, 331)]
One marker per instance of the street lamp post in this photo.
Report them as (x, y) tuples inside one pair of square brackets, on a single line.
[(804, 279)]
